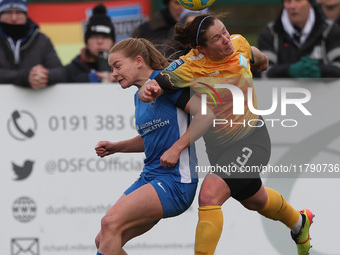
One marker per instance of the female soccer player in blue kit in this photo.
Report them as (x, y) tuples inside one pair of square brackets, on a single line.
[(168, 182)]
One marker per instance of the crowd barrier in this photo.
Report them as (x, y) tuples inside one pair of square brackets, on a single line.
[(55, 190)]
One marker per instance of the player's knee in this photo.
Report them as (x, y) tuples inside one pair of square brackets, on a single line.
[(110, 224), (208, 197), (213, 192), (97, 241), (254, 205)]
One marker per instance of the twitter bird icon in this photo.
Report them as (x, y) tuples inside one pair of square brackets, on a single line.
[(22, 172)]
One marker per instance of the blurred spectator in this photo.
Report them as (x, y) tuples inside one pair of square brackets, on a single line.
[(91, 64), (331, 9), (301, 43), (159, 30), (27, 57)]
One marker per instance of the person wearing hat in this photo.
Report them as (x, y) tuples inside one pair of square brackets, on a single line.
[(27, 57), (301, 43), (159, 29), (91, 64)]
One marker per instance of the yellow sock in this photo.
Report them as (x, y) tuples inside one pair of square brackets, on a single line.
[(277, 208), (209, 229)]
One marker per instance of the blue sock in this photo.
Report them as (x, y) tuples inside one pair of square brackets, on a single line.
[(98, 253)]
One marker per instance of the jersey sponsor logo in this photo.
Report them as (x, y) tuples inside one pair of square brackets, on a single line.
[(214, 73), (243, 61), (152, 125), (174, 65)]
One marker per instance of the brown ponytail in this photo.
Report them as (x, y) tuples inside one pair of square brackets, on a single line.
[(186, 35), (194, 33)]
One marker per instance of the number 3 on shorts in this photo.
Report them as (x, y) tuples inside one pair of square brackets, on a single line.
[(245, 156)]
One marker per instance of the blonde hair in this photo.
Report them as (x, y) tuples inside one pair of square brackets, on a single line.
[(133, 47)]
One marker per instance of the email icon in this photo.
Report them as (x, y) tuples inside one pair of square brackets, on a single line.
[(24, 246)]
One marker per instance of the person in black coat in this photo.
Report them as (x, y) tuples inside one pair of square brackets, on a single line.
[(27, 57), (301, 43), (331, 9), (91, 64), (160, 28)]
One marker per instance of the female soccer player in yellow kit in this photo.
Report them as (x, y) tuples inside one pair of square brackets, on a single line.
[(218, 58)]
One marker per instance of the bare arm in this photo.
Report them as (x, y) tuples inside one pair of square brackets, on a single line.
[(197, 128), (261, 61), (105, 148)]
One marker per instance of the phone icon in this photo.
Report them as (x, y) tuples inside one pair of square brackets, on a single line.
[(28, 133), (15, 128)]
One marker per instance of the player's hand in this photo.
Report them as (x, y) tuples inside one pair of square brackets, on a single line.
[(105, 148), (260, 68), (149, 91), (261, 60), (169, 158)]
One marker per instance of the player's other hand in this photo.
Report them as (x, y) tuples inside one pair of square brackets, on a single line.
[(261, 60), (261, 67), (105, 148), (169, 158), (149, 91)]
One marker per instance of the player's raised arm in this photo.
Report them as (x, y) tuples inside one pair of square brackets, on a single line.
[(150, 91)]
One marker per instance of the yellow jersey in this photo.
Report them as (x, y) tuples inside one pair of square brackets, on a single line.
[(225, 83)]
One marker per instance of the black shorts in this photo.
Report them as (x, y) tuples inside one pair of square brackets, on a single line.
[(240, 163)]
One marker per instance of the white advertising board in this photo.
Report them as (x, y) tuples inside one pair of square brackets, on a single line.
[(55, 190)]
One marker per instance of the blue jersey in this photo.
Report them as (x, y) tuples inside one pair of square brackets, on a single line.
[(161, 123)]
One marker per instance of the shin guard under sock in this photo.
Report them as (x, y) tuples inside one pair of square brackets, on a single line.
[(209, 229)]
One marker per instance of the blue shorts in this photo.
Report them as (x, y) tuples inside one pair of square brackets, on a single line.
[(176, 197)]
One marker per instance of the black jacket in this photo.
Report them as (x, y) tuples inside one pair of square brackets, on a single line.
[(35, 49), (282, 51), (78, 70), (159, 30)]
